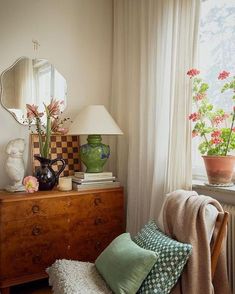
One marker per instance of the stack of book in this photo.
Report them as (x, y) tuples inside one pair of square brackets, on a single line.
[(86, 181)]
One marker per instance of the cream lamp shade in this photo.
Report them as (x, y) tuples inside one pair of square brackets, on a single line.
[(94, 120)]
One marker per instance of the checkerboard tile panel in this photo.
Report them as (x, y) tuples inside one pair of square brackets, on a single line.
[(62, 146)]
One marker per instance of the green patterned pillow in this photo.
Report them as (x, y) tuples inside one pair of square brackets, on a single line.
[(172, 257)]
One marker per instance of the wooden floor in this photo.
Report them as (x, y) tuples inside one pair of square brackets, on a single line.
[(39, 287)]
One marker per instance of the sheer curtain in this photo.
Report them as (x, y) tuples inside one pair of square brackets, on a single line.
[(154, 46)]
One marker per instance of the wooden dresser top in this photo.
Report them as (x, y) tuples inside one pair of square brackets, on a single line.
[(19, 196)]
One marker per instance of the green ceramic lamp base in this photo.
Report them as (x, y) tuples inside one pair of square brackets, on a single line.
[(94, 154)]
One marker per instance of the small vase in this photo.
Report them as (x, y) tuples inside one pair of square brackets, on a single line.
[(219, 169), (46, 176)]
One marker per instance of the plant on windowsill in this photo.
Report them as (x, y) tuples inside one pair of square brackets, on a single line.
[(46, 176), (216, 129)]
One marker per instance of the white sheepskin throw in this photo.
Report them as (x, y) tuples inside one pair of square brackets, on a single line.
[(75, 277)]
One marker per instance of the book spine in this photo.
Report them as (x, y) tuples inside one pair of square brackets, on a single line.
[(79, 187), (93, 182), (78, 180), (93, 176)]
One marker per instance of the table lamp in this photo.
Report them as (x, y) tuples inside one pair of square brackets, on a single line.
[(94, 121)]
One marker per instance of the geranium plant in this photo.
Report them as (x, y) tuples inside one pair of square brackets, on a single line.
[(53, 124), (213, 125)]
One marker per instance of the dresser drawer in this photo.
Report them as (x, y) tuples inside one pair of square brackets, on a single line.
[(88, 204), (21, 210), (101, 222), (90, 248), (32, 260), (33, 232)]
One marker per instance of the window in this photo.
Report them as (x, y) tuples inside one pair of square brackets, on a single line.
[(216, 53), (48, 83)]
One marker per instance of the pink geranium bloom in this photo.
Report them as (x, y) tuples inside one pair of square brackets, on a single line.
[(32, 111), (193, 72), (200, 96), (216, 141), (219, 119), (216, 133), (194, 116), (31, 184), (223, 75)]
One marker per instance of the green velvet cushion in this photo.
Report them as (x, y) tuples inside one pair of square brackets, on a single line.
[(124, 265), (172, 258)]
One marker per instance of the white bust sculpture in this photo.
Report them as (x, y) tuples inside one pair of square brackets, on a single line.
[(15, 165)]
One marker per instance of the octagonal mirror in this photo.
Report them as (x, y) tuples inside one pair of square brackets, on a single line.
[(31, 81)]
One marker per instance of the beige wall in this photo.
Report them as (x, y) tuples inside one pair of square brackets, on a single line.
[(75, 35)]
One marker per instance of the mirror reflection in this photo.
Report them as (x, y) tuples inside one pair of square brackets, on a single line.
[(31, 81)]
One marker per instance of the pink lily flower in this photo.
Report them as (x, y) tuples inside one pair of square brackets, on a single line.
[(53, 108), (32, 111)]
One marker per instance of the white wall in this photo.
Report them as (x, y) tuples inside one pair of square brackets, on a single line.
[(75, 35)]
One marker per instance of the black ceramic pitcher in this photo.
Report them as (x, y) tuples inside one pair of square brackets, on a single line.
[(46, 176)]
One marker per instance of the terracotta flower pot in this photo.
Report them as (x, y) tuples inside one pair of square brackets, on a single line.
[(219, 169)]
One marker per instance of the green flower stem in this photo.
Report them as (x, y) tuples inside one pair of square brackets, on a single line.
[(39, 129), (229, 138), (48, 138), (205, 138)]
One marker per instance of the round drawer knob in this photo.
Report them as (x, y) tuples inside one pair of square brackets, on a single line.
[(97, 201), (35, 208), (36, 230), (98, 221), (36, 259), (97, 245)]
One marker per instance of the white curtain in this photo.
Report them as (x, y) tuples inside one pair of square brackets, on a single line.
[(154, 46)]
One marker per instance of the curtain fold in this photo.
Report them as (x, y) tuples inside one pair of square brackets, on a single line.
[(154, 46)]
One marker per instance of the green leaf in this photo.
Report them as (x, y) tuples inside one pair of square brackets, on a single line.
[(204, 87)]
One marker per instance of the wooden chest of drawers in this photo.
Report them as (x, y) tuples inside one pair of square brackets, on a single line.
[(37, 229)]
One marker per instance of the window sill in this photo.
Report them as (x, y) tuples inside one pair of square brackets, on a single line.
[(222, 194)]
